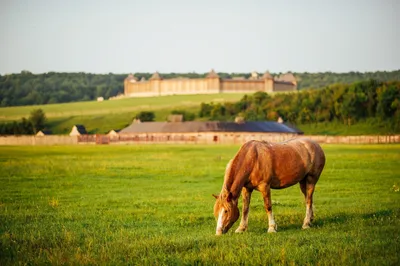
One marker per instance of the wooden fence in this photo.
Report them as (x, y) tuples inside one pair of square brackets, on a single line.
[(204, 138)]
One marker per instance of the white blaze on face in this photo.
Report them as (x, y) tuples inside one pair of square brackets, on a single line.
[(219, 222)]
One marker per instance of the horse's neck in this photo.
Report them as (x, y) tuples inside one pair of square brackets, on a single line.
[(235, 189), (233, 182)]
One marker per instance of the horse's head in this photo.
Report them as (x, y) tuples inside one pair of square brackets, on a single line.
[(226, 212)]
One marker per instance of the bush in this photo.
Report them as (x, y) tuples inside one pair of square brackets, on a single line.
[(146, 116)]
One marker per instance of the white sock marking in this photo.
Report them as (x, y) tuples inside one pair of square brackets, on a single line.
[(271, 221)]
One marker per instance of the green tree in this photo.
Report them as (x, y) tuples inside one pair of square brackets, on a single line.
[(37, 119), (205, 109), (146, 116), (388, 96)]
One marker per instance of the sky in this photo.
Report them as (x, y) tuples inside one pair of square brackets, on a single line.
[(128, 36)]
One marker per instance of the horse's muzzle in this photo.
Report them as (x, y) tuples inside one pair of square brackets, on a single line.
[(220, 231)]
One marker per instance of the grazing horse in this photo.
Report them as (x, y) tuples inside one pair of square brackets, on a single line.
[(262, 165)]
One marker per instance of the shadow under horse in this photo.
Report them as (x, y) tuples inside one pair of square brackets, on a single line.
[(262, 166)]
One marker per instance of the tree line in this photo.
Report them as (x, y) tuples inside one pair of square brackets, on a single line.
[(36, 122), (348, 103), (34, 89), (26, 88)]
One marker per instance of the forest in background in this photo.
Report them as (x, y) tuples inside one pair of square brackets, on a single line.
[(373, 104), (343, 103), (26, 88)]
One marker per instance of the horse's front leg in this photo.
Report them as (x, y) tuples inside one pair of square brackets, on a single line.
[(246, 195), (266, 191)]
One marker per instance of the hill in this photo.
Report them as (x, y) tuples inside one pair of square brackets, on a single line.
[(101, 117), (26, 88), (368, 107)]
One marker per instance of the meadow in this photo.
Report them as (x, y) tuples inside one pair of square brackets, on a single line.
[(152, 205), (101, 117)]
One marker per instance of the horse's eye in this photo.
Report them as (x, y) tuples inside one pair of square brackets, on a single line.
[(226, 211)]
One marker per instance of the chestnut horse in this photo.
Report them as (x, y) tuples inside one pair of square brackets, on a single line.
[(262, 165)]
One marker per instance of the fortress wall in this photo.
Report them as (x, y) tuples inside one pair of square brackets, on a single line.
[(183, 86), (193, 137), (38, 140), (139, 89), (269, 85), (158, 87), (281, 86), (213, 85), (242, 85)]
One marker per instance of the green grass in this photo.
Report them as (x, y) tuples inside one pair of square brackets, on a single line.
[(101, 117), (371, 126), (127, 105), (146, 205)]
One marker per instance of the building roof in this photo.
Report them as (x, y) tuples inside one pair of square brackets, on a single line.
[(81, 129), (287, 77), (212, 74), (211, 126), (113, 132), (131, 77), (78, 130), (267, 75), (43, 132), (254, 75), (155, 76)]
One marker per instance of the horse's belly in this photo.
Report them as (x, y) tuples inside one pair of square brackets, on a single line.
[(278, 184), (284, 181), (288, 172)]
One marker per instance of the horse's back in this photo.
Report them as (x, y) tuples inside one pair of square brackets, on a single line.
[(285, 163)]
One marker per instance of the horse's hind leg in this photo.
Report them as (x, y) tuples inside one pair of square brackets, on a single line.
[(307, 187), (246, 195)]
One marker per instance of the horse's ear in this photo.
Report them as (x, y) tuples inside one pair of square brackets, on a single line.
[(215, 196), (229, 198)]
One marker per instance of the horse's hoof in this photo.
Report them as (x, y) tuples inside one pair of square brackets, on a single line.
[(240, 230), (272, 229), (306, 226)]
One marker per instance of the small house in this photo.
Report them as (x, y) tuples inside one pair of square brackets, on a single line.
[(113, 133), (78, 130), (42, 133)]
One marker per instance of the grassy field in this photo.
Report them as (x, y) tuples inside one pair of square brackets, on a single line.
[(101, 117), (147, 205), (371, 126)]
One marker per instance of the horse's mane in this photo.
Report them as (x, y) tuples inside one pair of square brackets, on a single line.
[(243, 161)]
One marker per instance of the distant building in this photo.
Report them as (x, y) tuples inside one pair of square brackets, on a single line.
[(207, 132), (43, 133), (78, 130), (113, 133), (175, 118), (212, 83)]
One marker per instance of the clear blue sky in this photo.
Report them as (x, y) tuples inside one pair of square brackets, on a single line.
[(183, 36)]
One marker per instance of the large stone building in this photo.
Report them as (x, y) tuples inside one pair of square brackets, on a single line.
[(212, 83)]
